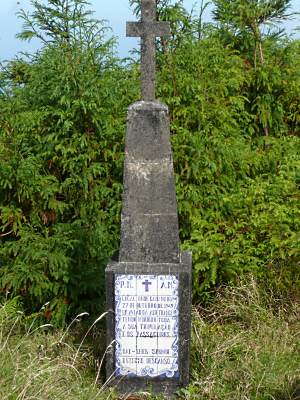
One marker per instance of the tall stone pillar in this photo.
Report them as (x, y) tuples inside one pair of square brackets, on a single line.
[(149, 216)]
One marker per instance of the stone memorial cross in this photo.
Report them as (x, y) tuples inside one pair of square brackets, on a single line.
[(148, 283), (148, 29)]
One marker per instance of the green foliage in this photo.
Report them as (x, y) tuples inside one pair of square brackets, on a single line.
[(234, 100), (243, 24), (61, 22), (245, 14), (61, 135), (238, 197)]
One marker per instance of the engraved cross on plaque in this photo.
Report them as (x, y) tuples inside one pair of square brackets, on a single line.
[(148, 29)]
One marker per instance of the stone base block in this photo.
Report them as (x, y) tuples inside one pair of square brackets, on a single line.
[(149, 325)]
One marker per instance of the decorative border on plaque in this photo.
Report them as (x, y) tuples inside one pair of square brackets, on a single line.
[(146, 325)]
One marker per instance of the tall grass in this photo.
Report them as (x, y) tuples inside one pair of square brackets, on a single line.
[(40, 363), (245, 346)]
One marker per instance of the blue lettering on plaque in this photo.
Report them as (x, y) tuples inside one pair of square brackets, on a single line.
[(146, 325), (126, 284), (166, 284)]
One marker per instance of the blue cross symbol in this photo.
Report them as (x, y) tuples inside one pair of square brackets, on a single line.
[(147, 284)]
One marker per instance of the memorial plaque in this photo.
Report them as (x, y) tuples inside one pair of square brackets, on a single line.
[(146, 327)]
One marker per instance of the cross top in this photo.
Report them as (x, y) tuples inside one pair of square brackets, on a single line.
[(148, 29)]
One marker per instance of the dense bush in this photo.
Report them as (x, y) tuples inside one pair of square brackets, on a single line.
[(238, 192), (61, 134), (235, 126)]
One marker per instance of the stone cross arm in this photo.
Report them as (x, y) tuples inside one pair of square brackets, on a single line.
[(140, 29)]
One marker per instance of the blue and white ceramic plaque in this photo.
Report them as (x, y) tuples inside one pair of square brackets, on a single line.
[(146, 325)]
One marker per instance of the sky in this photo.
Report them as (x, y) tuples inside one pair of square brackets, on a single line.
[(116, 12)]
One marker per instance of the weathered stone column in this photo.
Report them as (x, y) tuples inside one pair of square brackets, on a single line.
[(149, 216)]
